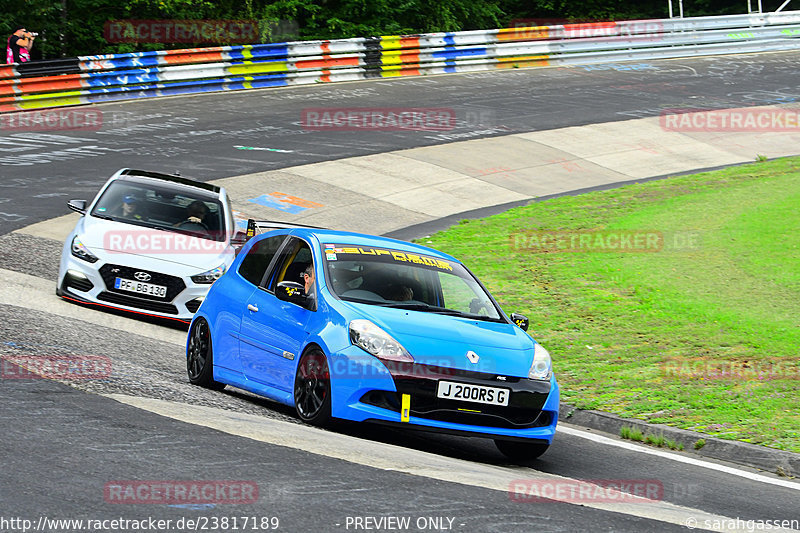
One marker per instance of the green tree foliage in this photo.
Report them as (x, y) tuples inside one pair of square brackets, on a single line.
[(75, 27)]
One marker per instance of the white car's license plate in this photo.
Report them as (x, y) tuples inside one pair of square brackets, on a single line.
[(140, 287), (472, 393)]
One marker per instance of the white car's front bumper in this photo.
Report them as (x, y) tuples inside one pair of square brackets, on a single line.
[(94, 283)]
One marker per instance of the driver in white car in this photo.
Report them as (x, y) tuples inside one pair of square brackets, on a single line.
[(130, 207), (195, 217), (197, 212)]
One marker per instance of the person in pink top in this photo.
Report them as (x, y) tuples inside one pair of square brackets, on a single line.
[(19, 46)]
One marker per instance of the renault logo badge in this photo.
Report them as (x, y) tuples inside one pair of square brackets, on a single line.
[(473, 357)]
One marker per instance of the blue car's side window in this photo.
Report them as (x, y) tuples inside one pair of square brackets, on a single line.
[(294, 259), (258, 258)]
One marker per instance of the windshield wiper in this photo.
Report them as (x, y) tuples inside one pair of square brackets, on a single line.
[(105, 217), (419, 306)]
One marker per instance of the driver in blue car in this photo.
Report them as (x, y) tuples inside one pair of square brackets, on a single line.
[(310, 287)]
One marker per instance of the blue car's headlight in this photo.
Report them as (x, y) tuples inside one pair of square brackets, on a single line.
[(374, 340), (542, 366), (80, 251), (210, 276)]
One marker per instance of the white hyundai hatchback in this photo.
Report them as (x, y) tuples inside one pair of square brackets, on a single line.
[(148, 243)]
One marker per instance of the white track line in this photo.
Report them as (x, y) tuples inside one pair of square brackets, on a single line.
[(676, 457)]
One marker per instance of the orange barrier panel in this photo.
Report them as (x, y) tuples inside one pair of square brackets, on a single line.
[(534, 33), (7, 71), (199, 57), (409, 42), (328, 62), (523, 61), (7, 87), (64, 82), (405, 71)]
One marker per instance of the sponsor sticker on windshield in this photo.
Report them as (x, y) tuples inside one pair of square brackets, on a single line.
[(383, 254)]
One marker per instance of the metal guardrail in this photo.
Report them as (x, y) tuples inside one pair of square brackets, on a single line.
[(94, 79)]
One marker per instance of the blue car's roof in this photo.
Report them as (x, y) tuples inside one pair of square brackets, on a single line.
[(327, 236)]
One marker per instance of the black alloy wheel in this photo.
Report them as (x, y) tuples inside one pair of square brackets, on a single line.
[(200, 357), (312, 388)]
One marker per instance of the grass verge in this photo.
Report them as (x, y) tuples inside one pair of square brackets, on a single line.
[(701, 330)]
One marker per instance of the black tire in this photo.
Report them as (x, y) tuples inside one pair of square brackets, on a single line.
[(521, 451), (312, 389), (200, 357)]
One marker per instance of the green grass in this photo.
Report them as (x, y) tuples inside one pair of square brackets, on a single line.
[(631, 434), (703, 336)]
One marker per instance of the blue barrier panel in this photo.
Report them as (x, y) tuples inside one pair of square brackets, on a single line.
[(105, 79), (465, 52), (280, 50)]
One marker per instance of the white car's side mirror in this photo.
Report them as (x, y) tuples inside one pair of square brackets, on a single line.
[(78, 206)]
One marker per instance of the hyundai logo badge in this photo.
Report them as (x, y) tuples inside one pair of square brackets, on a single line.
[(142, 276)]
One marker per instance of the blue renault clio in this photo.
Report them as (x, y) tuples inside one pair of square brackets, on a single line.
[(349, 326)]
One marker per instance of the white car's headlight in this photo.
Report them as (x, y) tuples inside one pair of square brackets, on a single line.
[(210, 276), (374, 340), (80, 251), (542, 366)]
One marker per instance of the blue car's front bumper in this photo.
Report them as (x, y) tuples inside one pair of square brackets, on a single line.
[(367, 389)]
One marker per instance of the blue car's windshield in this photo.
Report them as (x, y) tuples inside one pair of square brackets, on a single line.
[(392, 278)]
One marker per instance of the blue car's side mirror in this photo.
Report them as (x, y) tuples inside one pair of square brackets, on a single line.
[(520, 320)]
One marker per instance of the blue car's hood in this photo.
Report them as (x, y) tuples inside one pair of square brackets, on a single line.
[(443, 340)]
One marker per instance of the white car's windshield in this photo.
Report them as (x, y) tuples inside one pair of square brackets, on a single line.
[(404, 280), (161, 206)]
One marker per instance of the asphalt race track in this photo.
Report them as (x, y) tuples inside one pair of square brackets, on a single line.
[(64, 444), (197, 135)]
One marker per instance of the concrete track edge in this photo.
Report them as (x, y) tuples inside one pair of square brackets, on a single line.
[(782, 463)]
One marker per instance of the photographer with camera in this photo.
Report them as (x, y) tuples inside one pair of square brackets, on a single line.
[(19, 45)]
